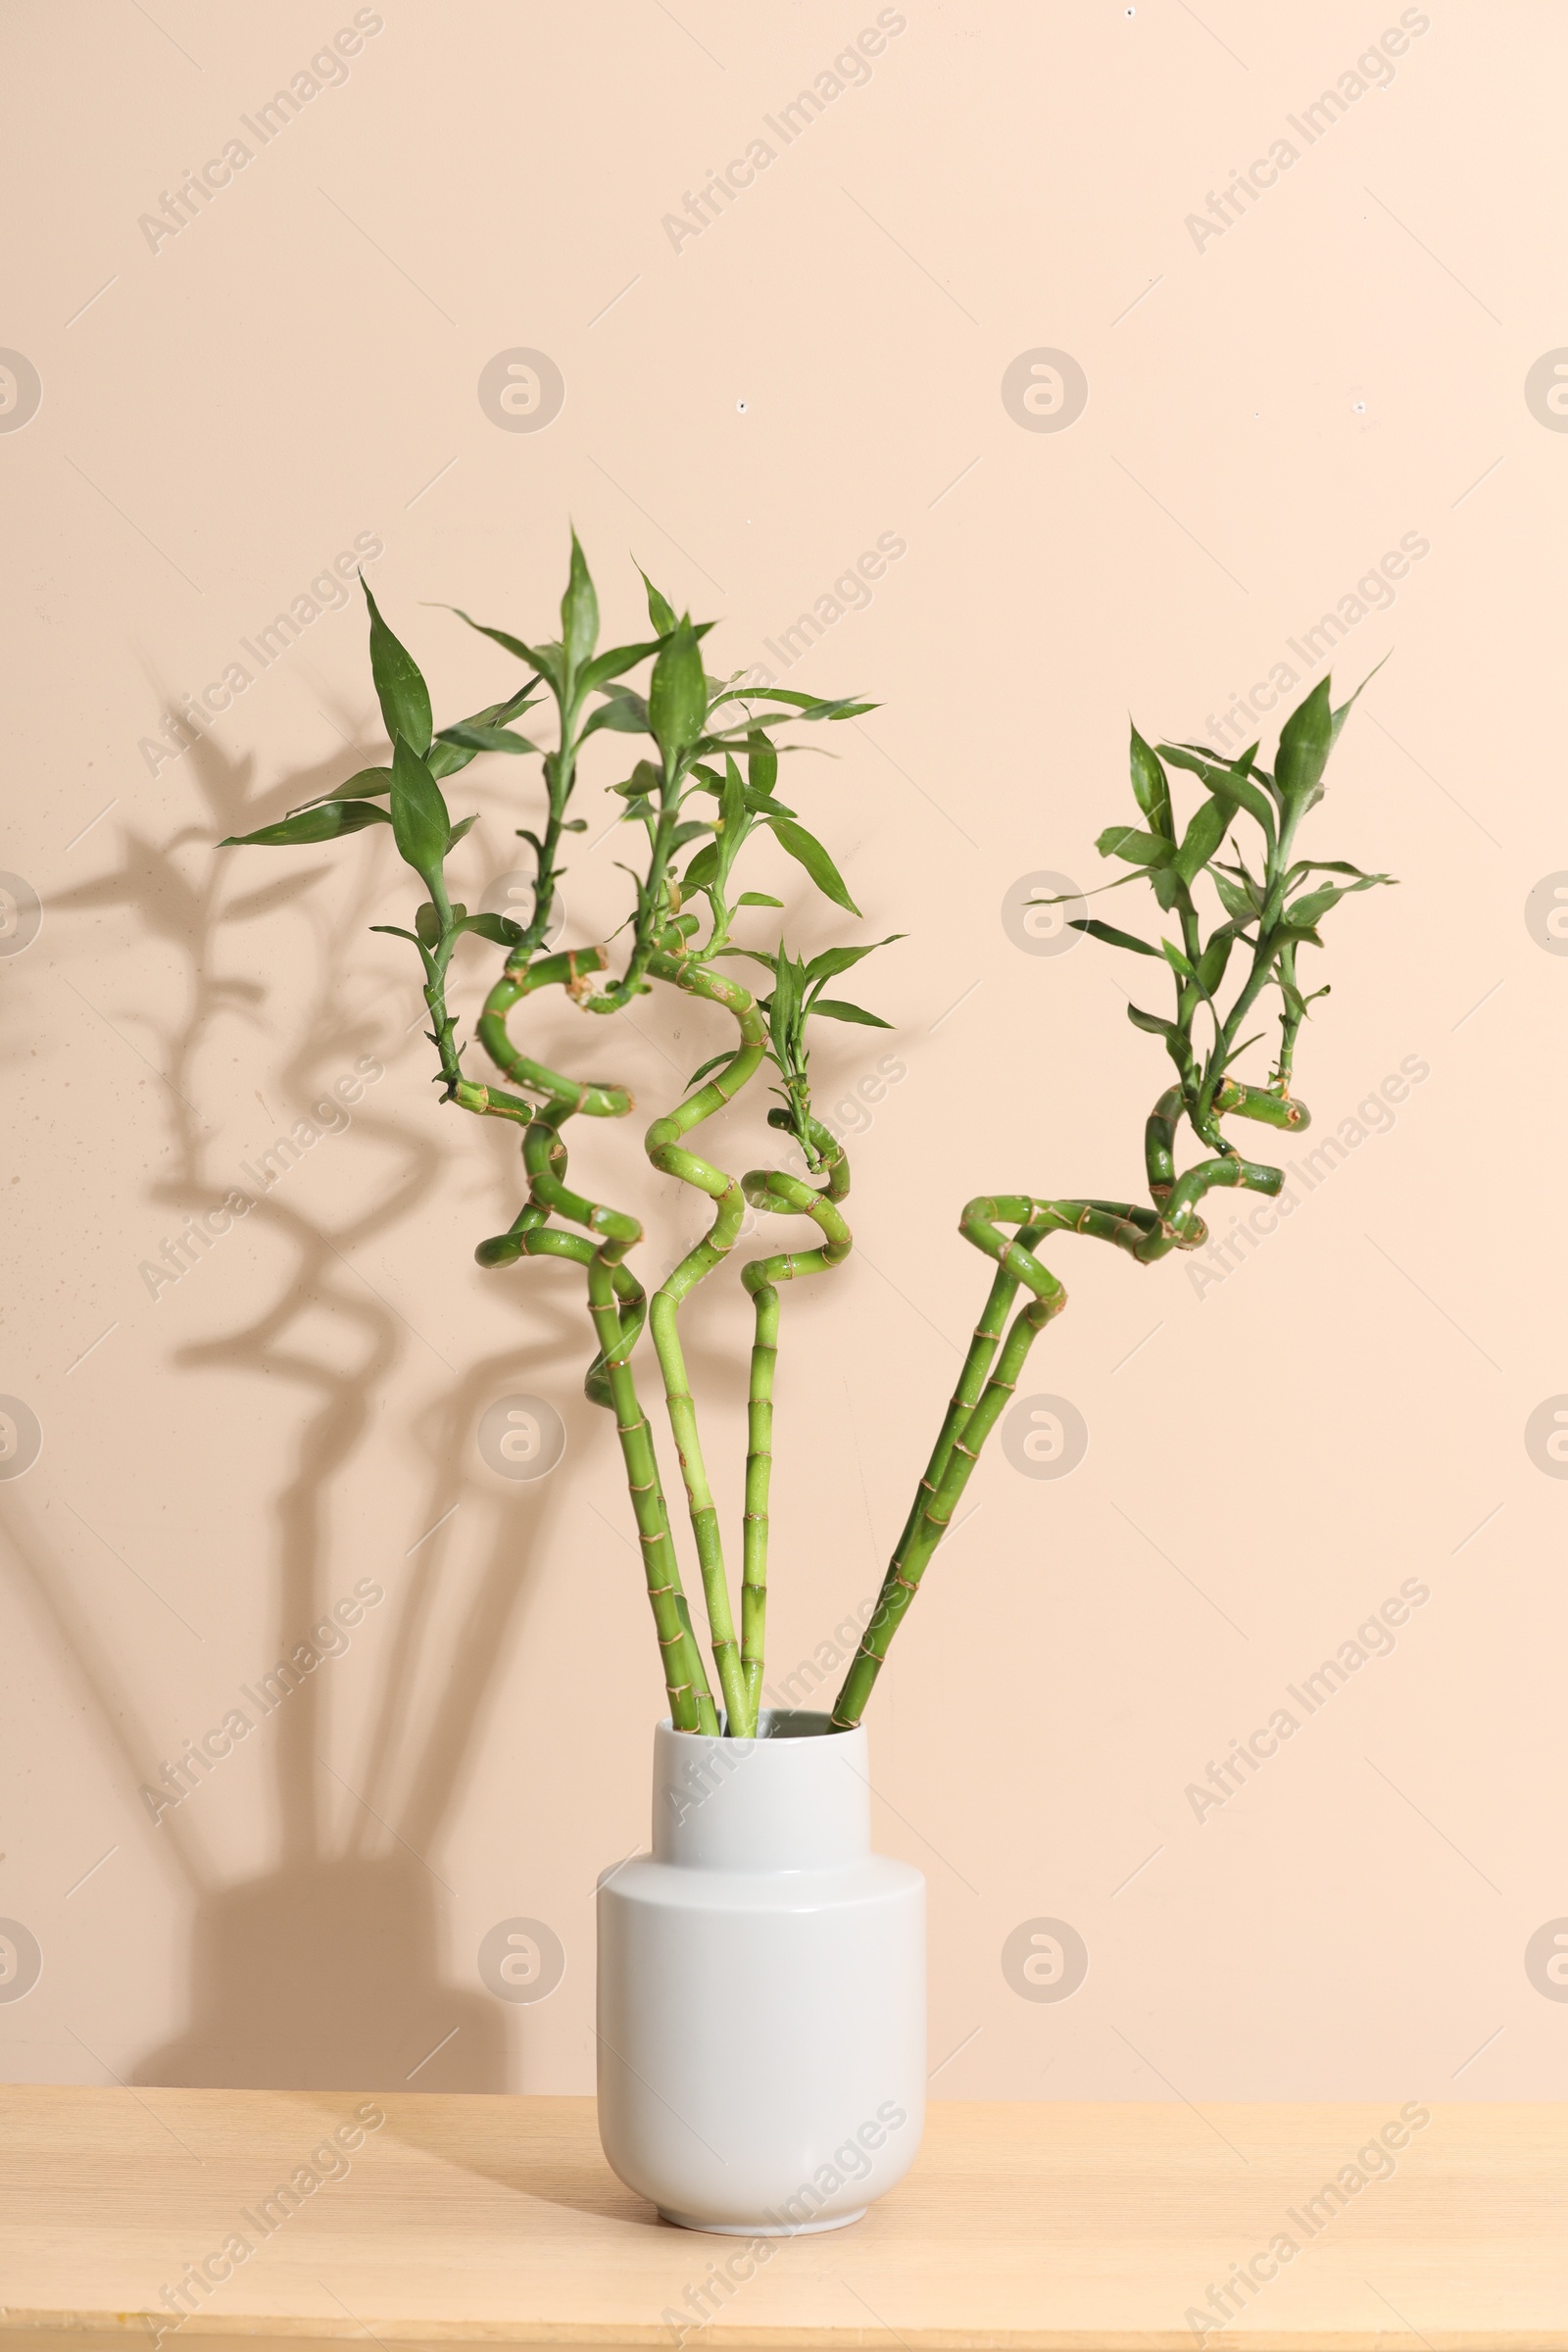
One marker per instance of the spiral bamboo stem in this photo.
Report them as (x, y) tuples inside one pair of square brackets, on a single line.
[(664, 1145), (781, 1195), (617, 1302), (982, 1392)]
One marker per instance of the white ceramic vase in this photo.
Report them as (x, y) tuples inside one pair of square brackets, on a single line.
[(762, 1987)]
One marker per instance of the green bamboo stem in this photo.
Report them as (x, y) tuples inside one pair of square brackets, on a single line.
[(783, 1196), (691, 1704), (1146, 1235), (1272, 1105), (518, 980), (538, 1240), (758, 1476), (931, 1521), (1159, 1143), (663, 1144), (1290, 1022)]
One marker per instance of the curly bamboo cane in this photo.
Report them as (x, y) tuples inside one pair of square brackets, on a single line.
[(1146, 1235), (663, 1144), (784, 1196), (520, 979), (617, 1302), (691, 1704)]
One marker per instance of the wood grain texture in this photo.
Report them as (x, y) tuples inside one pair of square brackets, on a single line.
[(1066, 2229)]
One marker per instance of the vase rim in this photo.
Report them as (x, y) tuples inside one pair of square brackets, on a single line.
[(776, 1725)]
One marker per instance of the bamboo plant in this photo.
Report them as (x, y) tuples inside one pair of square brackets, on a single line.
[(1268, 916), (706, 787)]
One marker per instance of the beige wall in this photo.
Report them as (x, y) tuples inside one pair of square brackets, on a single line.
[(1270, 411)]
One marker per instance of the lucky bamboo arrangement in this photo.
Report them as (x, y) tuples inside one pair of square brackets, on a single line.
[(709, 788)]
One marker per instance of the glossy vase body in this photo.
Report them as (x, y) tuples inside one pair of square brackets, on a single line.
[(762, 1987)]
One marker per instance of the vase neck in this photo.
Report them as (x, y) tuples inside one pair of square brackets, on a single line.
[(797, 1798)]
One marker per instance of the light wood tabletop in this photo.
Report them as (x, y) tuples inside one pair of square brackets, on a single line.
[(1077, 2228)]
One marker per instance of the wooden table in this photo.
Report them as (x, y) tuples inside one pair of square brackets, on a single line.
[(496, 2221)]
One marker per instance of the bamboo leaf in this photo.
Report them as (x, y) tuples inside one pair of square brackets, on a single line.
[(618, 657), (625, 712), (448, 758), (1105, 931), (1139, 849), (782, 1006), (364, 786), (400, 688), (809, 852), (1178, 962), (496, 927), (1151, 787), (660, 609), (837, 1011), (1236, 1051), (756, 898), (677, 696), (1312, 904), (731, 824), (645, 778), (809, 706), (1234, 901), (579, 613), (1065, 898), (1168, 887), (761, 763), (322, 820), (541, 659), (1202, 839), (720, 1061), (1338, 717), (1305, 741), (1230, 783), (1320, 865), (1179, 1049), (421, 824), (1215, 956), (469, 734), (833, 961)]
